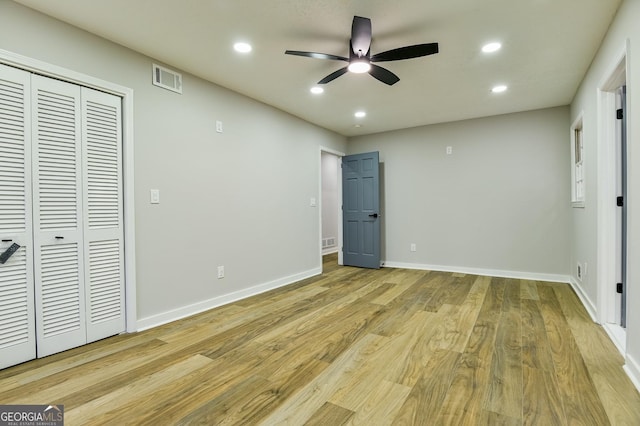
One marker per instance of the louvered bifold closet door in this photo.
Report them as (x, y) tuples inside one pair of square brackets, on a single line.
[(57, 218), (103, 225), (17, 320)]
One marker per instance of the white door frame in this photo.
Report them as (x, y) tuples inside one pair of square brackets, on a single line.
[(606, 208), (340, 155), (54, 71)]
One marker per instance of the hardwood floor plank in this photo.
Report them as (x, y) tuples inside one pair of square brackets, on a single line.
[(406, 305), (236, 336), (491, 418), (299, 407), (330, 414), (382, 404), (581, 402), (505, 391), (464, 401), (424, 402), (451, 291), (97, 410), (542, 404), (359, 382), (44, 368), (395, 290), (536, 352), (331, 340), (458, 322), (529, 290), (59, 385), (414, 348), (319, 315), (226, 408)]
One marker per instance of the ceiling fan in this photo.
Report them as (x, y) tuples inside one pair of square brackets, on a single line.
[(360, 59)]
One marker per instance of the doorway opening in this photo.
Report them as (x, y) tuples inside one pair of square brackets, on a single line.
[(611, 149), (330, 208)]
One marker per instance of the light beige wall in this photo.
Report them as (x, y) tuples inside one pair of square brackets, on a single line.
[(500, 203), (238, 199)]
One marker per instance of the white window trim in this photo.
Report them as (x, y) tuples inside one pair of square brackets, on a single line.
[(577, 202)]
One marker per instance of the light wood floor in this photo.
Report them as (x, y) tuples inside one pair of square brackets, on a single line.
[(352, 346)]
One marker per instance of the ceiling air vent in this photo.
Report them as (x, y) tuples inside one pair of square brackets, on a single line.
[(165, 78)]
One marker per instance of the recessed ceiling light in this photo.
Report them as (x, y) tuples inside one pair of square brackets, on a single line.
[(360, 114), (242, 47), (499, 89), (316, 90), (491, 47)]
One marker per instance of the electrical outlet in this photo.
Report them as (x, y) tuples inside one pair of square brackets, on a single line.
[(413, 247), (449, 150), (220, 272)]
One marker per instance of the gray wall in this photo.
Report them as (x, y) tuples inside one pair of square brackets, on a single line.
[(238, 199), (500, 203), (584, 244)]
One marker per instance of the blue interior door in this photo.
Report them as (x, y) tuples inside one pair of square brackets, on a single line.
[(361, 210)]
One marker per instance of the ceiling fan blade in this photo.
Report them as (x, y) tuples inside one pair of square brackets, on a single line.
[(384, 75), (333, 76), (316, 55), (360, 35), (406, 52)]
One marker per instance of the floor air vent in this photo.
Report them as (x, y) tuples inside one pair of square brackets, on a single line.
[(167, 79)]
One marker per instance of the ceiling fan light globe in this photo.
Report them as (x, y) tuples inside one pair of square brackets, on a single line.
[(359, 67)]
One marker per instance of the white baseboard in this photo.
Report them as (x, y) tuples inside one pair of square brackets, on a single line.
[(617, 335), (479, 271), (632, 368), (329, 250), (586, 301), (196, 308)]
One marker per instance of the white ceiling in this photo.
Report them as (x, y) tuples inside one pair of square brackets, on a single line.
[(547, 48)]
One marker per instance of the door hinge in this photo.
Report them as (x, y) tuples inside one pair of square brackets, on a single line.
[(620, 114), (620, 201), (619, 288)]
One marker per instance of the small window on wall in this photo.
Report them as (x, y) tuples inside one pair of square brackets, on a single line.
[(577, 162)]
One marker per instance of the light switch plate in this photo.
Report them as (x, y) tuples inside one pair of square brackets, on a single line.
[(155, 196)]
